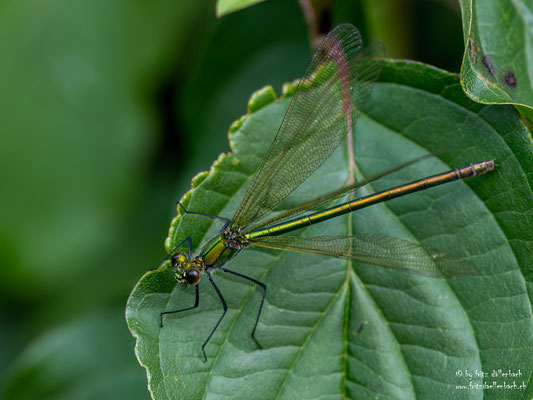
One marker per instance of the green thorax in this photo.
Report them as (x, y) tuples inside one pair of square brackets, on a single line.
[(216, 252)]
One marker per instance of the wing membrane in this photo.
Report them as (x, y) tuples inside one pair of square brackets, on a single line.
[(376, 249), (319, 201), (323, 110)]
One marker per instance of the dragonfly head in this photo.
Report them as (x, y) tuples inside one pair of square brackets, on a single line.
[(186, 272)]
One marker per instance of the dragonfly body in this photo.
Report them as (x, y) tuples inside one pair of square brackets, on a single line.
[(323, 111), (217, 252), (223, 247)]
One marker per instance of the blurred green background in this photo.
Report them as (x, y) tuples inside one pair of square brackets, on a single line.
[(107, 110)]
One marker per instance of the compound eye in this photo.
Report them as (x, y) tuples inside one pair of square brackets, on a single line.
[(193, 276)]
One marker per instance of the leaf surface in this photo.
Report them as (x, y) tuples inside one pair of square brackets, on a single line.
[(334, 329), (498, 59)]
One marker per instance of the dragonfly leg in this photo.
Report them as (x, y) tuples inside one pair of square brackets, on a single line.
[(189, 244), (226, 220), (196, 302), (224, 305), (263, 295)]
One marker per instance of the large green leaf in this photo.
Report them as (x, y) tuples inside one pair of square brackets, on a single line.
[(331, 329), (498, 57)]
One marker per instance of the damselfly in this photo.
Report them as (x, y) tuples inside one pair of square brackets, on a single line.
[(324, 109)]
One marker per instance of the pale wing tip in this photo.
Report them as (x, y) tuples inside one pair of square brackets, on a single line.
[(457, 267)]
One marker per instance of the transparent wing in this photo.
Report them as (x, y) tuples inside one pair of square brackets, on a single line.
[(376, 249), (321, 200), (324, 108)]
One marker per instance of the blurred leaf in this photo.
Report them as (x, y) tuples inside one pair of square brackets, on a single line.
[(75, 82), (382, 18), (229, 6), (79, 83), (428, 329), (86, 359), (229, 66), (498, 59)]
